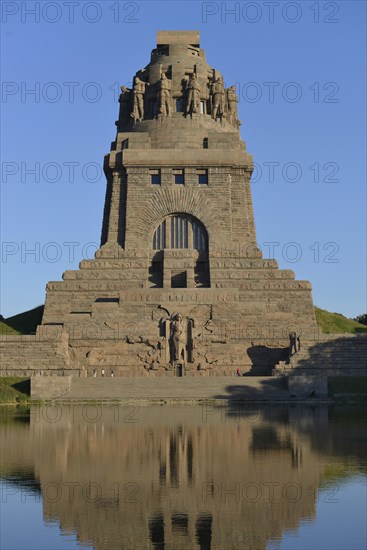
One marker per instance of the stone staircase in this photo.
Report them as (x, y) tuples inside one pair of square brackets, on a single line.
[(338, 355), (177, 389)]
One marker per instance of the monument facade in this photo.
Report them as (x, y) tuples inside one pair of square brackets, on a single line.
[(178, 285)]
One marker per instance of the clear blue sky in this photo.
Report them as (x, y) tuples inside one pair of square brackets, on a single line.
[(301, 73)]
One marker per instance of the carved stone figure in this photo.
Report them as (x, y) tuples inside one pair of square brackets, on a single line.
[(193, 95), (125, 105), (217, 91), (151, 358), (232, 101), (138, 91), (164, 96), (176, 338)]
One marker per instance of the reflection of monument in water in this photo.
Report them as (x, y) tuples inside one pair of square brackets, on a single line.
[(171, 478), (178, 239)]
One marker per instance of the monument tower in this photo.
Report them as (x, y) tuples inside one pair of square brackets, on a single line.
[(178, 285)]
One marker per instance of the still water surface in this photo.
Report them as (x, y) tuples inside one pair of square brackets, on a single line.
[(201, 477)]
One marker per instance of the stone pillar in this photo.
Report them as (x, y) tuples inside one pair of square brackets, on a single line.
[(113, 221), (190, 236), (190, 266), (250, 220), (106, 211), (166, 270), (168, 232)]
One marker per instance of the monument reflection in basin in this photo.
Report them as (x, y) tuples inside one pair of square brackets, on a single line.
[(213, 477)]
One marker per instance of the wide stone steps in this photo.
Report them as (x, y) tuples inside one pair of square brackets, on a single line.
[(24, 356), (333, 354), (173, 388)]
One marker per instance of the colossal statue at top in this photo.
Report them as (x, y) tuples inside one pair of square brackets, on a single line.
[(193, 95), (232, 100), (164, 96), (138, 91), (217, 94), (178, 82)]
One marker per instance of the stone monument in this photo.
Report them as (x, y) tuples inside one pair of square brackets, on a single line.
[(179, 277)]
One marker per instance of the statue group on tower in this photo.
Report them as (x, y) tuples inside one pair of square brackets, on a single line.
[(145, 101)]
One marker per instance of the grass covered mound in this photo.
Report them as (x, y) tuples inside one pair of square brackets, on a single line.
[(14, 389), (6, 330), (26, 322), (335, 323)]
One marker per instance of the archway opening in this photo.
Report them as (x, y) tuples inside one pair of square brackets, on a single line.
[(180, 256)]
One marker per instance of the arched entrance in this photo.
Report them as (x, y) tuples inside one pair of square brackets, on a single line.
[(179, 256)]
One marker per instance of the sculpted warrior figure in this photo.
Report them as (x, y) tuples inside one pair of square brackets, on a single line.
[(232, 101), (193, 95), (217, 91), (138, 91), (125, 104), (164, 96), (176, 336)]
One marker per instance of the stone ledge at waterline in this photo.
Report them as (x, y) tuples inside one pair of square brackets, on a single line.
[(159, 389)]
